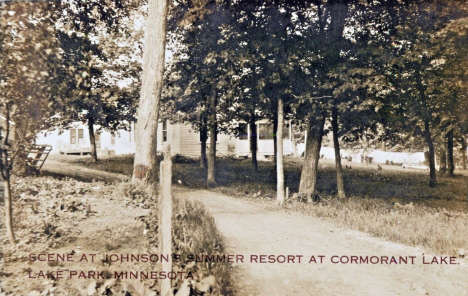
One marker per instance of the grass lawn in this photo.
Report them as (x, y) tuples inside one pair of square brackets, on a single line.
[(394, 203), (236, 178)]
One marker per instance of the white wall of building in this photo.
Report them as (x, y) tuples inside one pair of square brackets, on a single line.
[(76, 140)]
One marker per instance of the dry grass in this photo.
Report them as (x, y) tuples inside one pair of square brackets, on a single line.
[(438, 230), (195, 233)]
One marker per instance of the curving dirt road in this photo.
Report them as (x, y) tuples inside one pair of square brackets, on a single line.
[(250, 229)]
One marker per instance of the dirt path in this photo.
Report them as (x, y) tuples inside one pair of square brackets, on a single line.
[(252, 230), (62, 168)]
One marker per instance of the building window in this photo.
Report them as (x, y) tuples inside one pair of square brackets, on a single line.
[(164, 130), (73, 136), (76, 136), (112, 139), (80, 136), (265, 131)]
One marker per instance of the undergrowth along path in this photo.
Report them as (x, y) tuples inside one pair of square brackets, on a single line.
[(250, 229)]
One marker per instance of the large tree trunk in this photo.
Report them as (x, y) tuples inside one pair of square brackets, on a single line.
[(92, 139), (203, 139), (275, 139), (145, 164), (442, 159), (463, 151), (336, 144), (430, 144), (253, 141), (210, 179), (5, 172), (427, 129), (464, 157), (312, 154), (279, 161), (451, 165)]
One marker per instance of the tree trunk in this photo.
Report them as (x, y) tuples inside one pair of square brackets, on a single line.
[(145, 164), (275, 139), (336, 144), (442, 159), (279, 160), (6, 173), (203, 158), (253, 141), (203, 139), (165, 219), (451, 165), (384, 145), (463, 154), (430, 144), (92, 139), (427, 130), (210, 179), (293, 140), (312, 154), (9, 211)]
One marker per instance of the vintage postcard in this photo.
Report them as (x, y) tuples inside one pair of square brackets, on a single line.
[(233, 147)]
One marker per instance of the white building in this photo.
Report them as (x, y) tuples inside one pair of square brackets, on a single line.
[(182, 138), (75, 140)]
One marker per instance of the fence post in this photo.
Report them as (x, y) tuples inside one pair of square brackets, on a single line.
[(165, 219)]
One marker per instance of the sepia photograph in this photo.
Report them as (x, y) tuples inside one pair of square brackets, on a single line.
[(233, 147)]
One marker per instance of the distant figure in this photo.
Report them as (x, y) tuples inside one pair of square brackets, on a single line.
[(348, 167), (379, 167)]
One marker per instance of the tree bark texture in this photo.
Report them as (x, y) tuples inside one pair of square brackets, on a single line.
[(6, 173), (92, 139), (442, 159), (203, 139), (145, 164), (279, 160), (210, 178), (253, 141), (275, 139), (451, 165), (307, 185), (427, 129), (336, 144), (430, 144), (463, 151)]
